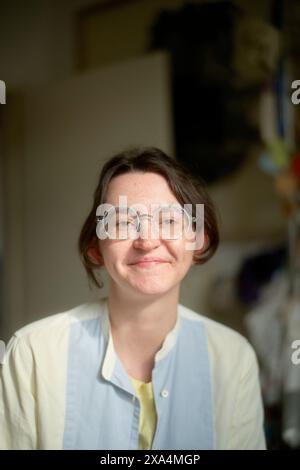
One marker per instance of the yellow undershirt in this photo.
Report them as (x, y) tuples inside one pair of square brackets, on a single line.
[(147, 424)]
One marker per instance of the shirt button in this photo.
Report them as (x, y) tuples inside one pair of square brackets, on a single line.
[(164, 393)]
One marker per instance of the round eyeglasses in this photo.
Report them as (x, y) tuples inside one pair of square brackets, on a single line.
[(165, 222)]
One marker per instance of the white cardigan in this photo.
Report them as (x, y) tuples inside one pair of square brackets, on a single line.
[(62, 386)]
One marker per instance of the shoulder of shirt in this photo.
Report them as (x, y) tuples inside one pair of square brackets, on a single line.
[(223, 340), (59, 323)]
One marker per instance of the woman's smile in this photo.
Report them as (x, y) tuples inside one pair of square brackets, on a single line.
[(148, 264)]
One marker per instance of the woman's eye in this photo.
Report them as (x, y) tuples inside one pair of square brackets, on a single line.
[(124, 223), (168, 221)]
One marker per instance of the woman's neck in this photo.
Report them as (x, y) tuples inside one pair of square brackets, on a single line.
[(142, 315), (139, 328)]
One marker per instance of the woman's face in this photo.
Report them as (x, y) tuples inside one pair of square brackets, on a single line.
[(123, 258)]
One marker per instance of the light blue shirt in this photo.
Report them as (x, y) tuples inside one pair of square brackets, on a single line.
[(102, 408)]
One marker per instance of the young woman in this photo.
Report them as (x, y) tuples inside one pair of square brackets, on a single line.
[(136, 370)]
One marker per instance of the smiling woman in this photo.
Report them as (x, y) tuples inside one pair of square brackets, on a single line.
[(145, 177), (136, 370), (144, 264)]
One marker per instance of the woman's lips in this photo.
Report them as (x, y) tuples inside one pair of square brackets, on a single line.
[(148, 263)]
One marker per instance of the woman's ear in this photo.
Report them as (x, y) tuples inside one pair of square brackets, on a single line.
[(94, 254)]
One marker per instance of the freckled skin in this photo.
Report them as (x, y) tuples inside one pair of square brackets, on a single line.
[(144, 188)]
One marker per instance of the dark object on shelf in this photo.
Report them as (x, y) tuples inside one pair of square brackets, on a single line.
[(213, 106), (256, 271)]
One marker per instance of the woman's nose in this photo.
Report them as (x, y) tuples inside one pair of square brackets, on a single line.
[(146, 243), (146, 237)]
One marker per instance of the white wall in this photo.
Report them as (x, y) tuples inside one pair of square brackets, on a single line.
[(69, 129)]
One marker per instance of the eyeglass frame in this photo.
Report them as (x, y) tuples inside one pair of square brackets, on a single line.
[(191, 219)]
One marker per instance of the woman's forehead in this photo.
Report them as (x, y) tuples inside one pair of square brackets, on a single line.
[(144, 188)]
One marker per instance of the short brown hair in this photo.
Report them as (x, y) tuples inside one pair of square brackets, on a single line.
[(186, 188)]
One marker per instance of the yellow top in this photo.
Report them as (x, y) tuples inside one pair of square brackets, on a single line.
[(148, 416)]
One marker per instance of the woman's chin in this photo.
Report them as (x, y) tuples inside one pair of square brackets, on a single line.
[(149, 288)]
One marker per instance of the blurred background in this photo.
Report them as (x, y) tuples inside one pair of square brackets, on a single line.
[(210, 82)]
